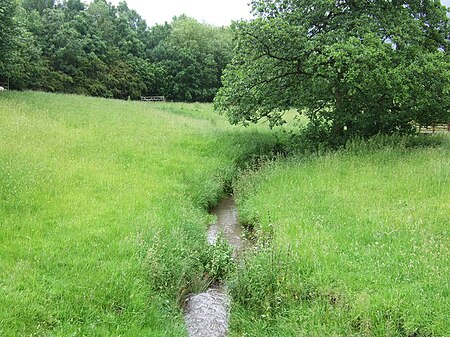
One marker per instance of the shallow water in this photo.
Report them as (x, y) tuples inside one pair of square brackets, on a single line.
[(228, 224), (206, 314)]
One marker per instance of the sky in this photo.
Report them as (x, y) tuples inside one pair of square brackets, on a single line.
[(215, 12)]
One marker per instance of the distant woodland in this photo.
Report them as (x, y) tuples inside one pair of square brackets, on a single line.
[(109, 51)]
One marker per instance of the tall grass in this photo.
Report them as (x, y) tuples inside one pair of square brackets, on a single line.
[(360, 243), (103, 210), (103, 214)]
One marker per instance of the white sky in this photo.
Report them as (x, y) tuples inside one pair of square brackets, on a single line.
[(215, 12)]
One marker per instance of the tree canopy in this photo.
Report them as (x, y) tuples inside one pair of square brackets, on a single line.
[(355, 68), (8, 9), (104, 50)]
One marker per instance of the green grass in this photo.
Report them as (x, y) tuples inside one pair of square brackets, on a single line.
[(103, 210), (360, 245)]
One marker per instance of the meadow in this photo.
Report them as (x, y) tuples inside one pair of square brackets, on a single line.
[(104, 206), (103, 210), (354, 243)]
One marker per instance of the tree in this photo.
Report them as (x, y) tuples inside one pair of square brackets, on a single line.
[(193, 56), (27, 68), (8, 10), (38, 5), (355, 68), (100, 49)]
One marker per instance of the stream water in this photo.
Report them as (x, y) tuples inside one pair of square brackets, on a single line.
[(206, 314)]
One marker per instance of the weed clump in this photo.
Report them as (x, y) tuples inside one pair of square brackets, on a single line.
[(268, 280)]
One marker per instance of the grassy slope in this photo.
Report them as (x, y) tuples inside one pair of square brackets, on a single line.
[(361, 243), (93, 193)]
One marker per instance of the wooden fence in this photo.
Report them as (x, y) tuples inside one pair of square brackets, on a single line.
[(153, 98), (436, 128)]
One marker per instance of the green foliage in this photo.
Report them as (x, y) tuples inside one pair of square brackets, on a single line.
[(268, 281), (193, 56), (104, 50), (7, 33), (178, 268), (353, 68), (219, 263), (37, 5)]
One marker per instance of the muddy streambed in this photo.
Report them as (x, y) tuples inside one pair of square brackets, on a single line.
[(206, 314)]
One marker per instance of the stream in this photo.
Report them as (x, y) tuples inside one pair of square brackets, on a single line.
[(206, 314)]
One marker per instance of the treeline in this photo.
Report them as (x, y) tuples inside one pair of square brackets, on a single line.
[(103, 50)]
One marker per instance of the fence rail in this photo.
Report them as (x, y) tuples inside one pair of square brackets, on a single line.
[(436, 128), (153, 98)]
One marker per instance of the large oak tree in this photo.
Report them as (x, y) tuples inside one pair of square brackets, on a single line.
[(354, 67)]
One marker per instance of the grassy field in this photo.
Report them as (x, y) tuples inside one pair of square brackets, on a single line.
[(360, 243), (103, 210)]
